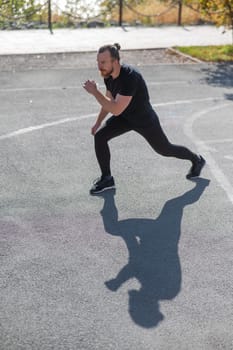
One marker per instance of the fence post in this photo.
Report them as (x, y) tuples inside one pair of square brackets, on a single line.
[(50, 17), (179, 13), (120, 12)]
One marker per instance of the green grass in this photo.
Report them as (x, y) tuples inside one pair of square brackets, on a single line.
[(220, 53)]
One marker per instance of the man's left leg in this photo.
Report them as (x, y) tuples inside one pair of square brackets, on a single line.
[(156, 137)]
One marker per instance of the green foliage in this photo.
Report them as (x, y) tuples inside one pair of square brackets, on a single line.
[(220, 10), (210, 53), (16, 11)]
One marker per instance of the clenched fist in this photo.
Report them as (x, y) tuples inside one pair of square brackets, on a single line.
[(90, 86)]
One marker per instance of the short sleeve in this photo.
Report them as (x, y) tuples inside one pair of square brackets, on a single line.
[(129, 86)]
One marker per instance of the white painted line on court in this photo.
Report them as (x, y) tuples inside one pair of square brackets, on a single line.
[(43, 126), (48, 88), (182, 102), (203, 149), (229, 157), (218, 141), (77, 87), (69, 120)]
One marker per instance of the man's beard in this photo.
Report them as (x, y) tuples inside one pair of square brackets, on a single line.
[(106, 74)]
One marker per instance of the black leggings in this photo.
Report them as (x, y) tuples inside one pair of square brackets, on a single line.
[(154, 135)]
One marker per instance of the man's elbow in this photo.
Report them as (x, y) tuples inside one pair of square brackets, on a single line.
[(118, 106), (117, 110), (117, 113)]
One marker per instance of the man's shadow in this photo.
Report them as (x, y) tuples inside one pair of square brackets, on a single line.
[(153, 254)]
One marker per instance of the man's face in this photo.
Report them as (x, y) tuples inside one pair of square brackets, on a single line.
[(105, 63)]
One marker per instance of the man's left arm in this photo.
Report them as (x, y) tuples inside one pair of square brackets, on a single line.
[(114, 106)]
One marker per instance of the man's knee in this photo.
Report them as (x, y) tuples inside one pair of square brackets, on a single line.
[(165, 150), (100, 138)]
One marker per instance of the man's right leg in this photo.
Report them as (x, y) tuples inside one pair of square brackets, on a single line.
[(114, 127)]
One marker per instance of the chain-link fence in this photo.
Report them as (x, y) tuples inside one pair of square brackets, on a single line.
[(28, 14)]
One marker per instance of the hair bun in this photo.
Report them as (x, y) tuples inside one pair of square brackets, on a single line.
[(117, 46)]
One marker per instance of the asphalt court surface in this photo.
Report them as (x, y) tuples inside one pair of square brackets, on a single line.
[(148, 266)]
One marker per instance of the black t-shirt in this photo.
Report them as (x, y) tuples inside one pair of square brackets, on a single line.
[(131, 83)]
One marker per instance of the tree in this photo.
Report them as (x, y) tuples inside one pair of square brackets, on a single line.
[(221, 11), (17, 11)]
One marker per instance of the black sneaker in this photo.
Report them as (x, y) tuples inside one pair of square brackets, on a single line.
[(196, 168), (102, 184)]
